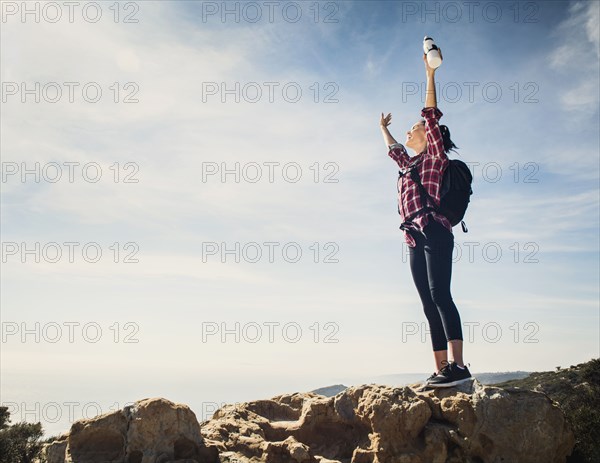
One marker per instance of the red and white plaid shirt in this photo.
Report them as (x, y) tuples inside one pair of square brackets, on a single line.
[(433, 163)]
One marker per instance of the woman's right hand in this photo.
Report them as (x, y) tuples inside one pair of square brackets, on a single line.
[(430, 70), (385, 121)]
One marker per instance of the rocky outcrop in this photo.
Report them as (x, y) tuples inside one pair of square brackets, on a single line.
[(383, 424), (362, 424), (150, 431)]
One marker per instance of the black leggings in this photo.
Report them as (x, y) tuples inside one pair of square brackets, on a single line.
[(431, 267)]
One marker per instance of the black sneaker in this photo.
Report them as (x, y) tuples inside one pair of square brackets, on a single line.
[(450, 375), (433, 375)]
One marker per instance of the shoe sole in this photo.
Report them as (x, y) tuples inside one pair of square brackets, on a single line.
[(453, 383)]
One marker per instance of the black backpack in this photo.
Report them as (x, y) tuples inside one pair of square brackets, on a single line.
[(455, 192)]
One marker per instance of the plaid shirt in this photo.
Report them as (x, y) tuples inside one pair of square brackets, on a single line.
[(431, 170)]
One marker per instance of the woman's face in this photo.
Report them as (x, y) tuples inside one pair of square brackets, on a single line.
[(416, 136)]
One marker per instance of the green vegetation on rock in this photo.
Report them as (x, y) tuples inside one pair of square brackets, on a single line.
[(20, 442)]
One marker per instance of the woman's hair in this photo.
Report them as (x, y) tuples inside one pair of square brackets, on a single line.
[(448, 143)]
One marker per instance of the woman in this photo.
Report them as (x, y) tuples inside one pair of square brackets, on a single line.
[(429, 234)]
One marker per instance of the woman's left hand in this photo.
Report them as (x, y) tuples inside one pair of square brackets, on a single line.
[(384, 121)]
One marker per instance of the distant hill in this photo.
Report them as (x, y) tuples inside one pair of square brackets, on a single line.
[(330, 391), (404, 379)]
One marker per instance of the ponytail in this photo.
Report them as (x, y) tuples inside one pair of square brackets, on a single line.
[(448, 143)]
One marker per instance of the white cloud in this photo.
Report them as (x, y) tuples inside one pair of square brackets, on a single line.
[(577, 57), (592, 25), (583, 97)]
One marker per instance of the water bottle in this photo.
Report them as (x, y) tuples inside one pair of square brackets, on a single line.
[(434, 59)]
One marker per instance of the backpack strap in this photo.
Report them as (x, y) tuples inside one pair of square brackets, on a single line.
[(414, 175), (408, 220)]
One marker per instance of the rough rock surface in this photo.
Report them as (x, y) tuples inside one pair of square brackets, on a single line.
[(150, 431), (383, 424), (369, 423)]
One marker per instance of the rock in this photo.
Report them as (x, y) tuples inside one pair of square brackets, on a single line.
[(383, 424), (370, 423), (150, 431), (55, 451)]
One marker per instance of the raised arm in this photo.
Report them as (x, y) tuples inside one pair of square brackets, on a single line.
[(387, 136), (432, 114), (396, 150), (430, 99)]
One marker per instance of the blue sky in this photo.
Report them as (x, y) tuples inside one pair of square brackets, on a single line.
[(534, 151)]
